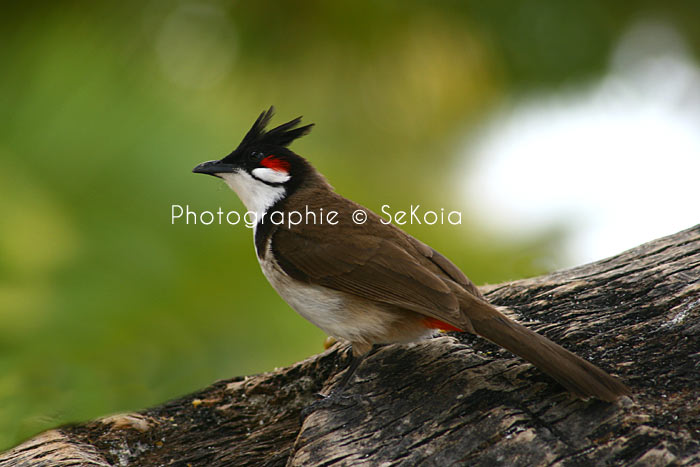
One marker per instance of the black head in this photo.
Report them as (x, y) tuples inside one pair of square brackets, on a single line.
[(264, 155)]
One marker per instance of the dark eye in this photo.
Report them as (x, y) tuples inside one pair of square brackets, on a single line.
[(255, 156)]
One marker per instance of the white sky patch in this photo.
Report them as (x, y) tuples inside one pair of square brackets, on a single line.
[(617, 162)]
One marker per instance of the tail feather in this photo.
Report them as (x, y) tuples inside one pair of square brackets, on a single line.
[(580, 377)]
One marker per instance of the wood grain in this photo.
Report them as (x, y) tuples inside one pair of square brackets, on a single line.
[(456, 399)]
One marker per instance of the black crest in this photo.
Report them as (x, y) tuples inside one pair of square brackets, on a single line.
[(280, 136)]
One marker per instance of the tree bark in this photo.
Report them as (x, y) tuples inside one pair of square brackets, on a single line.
[(455, 399)]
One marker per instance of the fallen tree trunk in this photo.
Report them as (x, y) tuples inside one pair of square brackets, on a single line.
[(455, 399)]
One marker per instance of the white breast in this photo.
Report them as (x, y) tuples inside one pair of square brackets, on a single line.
[(322, 306), (336, 313)]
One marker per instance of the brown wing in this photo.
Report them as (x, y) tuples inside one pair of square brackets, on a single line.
[(446, 266), (366, 266)]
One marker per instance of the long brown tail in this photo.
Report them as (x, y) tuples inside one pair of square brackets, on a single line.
[(574, 373)]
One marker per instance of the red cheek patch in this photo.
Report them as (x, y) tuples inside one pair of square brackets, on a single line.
[(272, 162)]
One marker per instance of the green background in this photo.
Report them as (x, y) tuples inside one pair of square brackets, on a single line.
[(105, 107)]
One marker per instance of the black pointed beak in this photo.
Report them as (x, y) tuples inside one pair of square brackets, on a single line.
[(213, 168)]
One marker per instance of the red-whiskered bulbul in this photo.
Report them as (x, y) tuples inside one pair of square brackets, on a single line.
[(370, 283)]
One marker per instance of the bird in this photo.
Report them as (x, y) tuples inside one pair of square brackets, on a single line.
[(369, 283)]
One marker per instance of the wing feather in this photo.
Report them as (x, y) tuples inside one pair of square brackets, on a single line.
[(366, 266)]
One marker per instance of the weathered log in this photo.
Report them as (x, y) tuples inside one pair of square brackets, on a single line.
[(455, 399)]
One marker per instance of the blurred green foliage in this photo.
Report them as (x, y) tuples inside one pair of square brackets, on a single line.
[(106, 106)]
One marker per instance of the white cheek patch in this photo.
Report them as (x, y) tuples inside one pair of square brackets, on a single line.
[(271, 175), (256, 196)]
